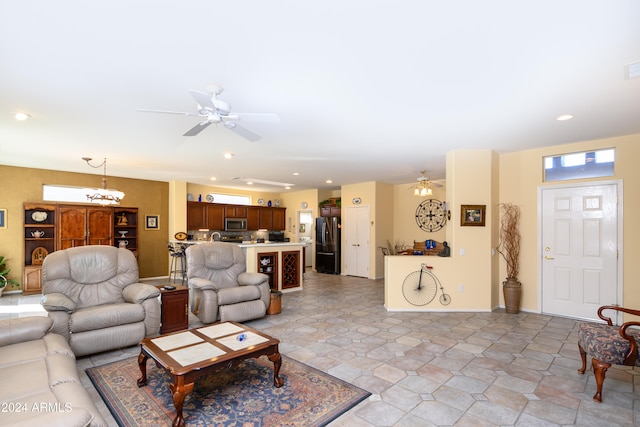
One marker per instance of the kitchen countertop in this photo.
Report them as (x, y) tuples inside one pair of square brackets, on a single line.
[(251, 245), (246, 244)]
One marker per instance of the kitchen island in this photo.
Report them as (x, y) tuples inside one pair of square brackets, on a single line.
[(281, 261)]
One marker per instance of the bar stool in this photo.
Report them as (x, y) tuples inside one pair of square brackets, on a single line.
[(177, 262)]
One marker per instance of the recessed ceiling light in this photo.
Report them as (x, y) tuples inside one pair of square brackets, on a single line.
[(287, 188), (296, 173), (329, 181), (21, 116), (249, 182), (228, 155), (213, 178), (564, 117)]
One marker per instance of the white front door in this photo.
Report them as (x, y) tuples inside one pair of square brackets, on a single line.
[(356, 234), (579, 249)]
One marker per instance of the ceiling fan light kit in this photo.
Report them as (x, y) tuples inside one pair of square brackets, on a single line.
[(423, 186), (216, 111)]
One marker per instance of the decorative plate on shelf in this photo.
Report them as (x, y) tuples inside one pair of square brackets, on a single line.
[(210, 198), (277, 202), (39, 216), (261, 202), (356, 200), (181, 235), (190, 197), (304, 205)]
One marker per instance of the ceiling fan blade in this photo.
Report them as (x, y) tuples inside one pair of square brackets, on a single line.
[(242, 131), (203, 99), (198, 128), (182, 113), (255, 117)]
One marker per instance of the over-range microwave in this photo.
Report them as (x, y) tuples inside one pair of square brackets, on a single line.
[(235, 224)]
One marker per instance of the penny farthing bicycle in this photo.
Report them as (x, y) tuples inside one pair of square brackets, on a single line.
[(420, 287)]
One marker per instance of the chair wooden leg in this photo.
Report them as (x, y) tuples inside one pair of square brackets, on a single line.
[(583, 356), (599, 370)]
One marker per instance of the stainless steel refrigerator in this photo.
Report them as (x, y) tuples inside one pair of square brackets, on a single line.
[(328, 245)]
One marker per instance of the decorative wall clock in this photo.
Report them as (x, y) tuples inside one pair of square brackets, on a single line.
[(430, 215)]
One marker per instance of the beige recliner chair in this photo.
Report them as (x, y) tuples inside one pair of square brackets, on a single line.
[(220, 287), (93, 296)]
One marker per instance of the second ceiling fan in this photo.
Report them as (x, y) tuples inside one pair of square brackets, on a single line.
[(214, 110)]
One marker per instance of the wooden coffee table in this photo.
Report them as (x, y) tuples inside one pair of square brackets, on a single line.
[(194, 353)]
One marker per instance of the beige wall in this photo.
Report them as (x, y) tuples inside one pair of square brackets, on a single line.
[(25, 185), (203, 190), (520, 178), (406, 229), (467, 276), (378, 198)]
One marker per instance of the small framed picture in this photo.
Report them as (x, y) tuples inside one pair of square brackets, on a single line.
[(472, 215), (152, 222), (3, 218)]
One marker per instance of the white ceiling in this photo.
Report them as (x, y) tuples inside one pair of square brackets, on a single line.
[(366, 90)]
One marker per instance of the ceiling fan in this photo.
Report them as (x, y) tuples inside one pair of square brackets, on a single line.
[(423, 185), (214, 110)]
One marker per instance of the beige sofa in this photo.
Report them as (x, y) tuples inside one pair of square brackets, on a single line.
[(93, 296), (219, 286), (40, 380)]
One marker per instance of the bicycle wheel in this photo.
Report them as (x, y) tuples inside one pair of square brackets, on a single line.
[(419, 288)]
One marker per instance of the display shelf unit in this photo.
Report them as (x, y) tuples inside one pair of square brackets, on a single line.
[(268, 264), (125, 228), (39, 241)]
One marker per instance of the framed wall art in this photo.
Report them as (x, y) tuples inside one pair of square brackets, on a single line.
[(472, 215), (152, 222)]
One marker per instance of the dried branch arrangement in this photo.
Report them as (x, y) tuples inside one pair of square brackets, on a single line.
[(509, 244)]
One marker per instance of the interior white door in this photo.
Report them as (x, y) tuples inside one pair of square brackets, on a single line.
[(579, 250), (356, 232)]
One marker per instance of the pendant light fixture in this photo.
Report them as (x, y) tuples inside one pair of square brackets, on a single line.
[(103, 196)]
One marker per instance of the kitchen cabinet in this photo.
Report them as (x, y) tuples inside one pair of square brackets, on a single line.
[(273, 218), (268, 264), (291, 269), (330, 211), (253, 218), (205, 215), (211, 216), (196, 216), (235, 211), (80, 226), (215, 217), (281, 262)]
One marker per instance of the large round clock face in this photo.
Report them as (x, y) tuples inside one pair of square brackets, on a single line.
[(430, 215)]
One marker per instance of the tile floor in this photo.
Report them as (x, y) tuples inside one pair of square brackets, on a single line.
[(431, 369)]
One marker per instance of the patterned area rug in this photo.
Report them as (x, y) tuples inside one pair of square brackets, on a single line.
[(243, 396)]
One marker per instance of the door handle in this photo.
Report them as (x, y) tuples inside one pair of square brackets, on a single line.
[(548, 257)]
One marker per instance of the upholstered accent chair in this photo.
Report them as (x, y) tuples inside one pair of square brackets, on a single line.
[(93, 296), (608, 345), (219, 286)]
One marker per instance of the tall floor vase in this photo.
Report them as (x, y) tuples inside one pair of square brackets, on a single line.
[(512, 289)]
